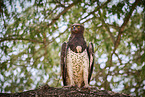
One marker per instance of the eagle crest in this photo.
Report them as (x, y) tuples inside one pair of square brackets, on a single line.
[(77, 59)]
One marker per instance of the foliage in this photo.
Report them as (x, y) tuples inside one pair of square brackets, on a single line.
[(32, 31)]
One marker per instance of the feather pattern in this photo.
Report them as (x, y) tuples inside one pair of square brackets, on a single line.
[(77, 59)]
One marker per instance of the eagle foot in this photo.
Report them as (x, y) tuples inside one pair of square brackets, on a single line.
[(70, 86), (86, 87)]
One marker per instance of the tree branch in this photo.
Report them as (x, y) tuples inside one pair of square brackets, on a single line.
[(47, 91), (126, 19), (113, 26), (120, 61), (62, 5), (9, 39), (58, 16), (108, 30), (98, 8)]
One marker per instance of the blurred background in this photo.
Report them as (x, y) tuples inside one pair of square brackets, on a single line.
[(32, 32)]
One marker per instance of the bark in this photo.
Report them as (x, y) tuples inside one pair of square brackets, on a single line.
[(46, 91)]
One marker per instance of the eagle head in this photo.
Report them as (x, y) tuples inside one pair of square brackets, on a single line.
[(77, 28)]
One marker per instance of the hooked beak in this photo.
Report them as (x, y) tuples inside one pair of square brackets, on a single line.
[(74, 29)]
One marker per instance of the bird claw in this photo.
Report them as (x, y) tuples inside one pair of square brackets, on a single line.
[(86, 87), (70, 86)]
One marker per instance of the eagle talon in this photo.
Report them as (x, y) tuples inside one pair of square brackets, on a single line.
[(86, 87), (70, 86), (66, 86), (74, 86)]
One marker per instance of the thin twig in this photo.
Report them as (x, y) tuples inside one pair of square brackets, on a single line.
[(98, 8), (9, 39), (108, 30)]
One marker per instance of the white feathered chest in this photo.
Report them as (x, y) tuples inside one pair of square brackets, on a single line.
[(77, 67)]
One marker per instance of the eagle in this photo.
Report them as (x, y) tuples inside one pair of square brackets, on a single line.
[(77, 59)]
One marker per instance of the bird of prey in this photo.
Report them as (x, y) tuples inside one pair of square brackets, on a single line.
[(77, 59)]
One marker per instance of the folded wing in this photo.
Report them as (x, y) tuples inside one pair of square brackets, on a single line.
[(64, 49), (90, 50)]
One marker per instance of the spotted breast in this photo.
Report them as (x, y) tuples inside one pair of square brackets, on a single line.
[(77, 67)]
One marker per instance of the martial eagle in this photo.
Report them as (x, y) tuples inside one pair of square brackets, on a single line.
[(77, 59)]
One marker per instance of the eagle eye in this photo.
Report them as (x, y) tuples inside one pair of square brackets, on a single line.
[(78, 26)]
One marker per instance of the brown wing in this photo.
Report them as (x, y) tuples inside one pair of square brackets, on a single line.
[(64, 49), (90, 51)]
